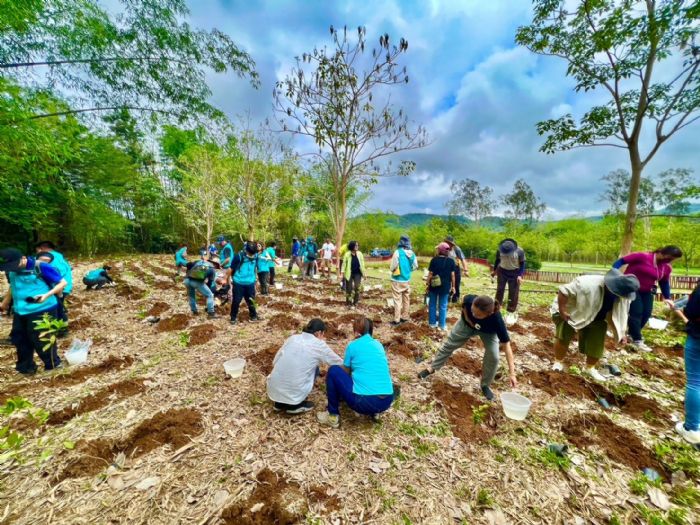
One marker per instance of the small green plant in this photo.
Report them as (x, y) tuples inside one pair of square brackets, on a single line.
[(256, 399), (50, 327), (678, 456), (211, 381), (423, 448), (640, 483), (575, 371), (183, 339), (622, 390), (479, 414), (614, 520), (13, 404), (551, 459), (484, 500), (686, 495)]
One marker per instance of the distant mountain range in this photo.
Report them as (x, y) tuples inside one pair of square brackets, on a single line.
[(493, 222)]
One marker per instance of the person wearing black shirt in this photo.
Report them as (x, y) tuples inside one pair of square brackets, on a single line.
[(690, 428), (480, 316)]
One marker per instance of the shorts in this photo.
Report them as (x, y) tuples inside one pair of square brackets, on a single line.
[(327, 263), (591, 338)]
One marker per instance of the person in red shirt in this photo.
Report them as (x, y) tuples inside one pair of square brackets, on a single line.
[(653, 270)]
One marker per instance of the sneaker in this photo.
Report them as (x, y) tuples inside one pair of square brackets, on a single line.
[(691, 436), (488, 393), (433, 326), (395, 323), (234, 321), (29, 372), (194, 314), (425, 373), (255, 319), (511, 318), (403, 321), (558, 366), (595, 375), (305, 407), (330, 420), (212, 315), (640, 346)]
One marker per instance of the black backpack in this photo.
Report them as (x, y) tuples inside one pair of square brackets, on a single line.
[(311, 250)]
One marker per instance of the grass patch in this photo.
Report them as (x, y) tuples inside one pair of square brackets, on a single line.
[(678, 456), (640, 483), (550, 459)]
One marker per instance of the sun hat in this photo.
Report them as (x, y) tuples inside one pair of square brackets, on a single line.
[(507, 246), (449, 240), (622, 285), (404, 242)]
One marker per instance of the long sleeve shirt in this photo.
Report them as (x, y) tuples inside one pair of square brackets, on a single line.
[(643, 266)]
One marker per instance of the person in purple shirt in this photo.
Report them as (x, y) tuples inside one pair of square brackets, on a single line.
[(653, 270)]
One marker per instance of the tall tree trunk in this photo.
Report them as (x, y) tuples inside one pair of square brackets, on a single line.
[(341, 222), (631, 216)]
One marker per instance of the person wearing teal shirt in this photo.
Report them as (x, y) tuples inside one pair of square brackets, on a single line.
[(363, 381), (181, 258), (64, 268), (245, 266), (310, 253), (263, 270), (97, 278), (272, 255), (34, 286)]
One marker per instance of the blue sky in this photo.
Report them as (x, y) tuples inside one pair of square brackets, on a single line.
[(478, 94)]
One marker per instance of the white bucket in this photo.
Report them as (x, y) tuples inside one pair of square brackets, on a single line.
[(316, 276), (657, 324), (234, 367), (278, 286), (77, 356), (515, 406)]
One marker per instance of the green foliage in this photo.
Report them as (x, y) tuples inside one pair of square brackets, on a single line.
[(640, 483), (479, 414), (50, 327), (550, 459), (686, 495), (678, 456), (484, 499)]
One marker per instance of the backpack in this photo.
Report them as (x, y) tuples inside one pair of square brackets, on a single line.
[(311, 250), (198, 271), (239, 259)]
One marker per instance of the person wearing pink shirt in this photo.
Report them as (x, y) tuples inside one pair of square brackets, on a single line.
[(653, 270)]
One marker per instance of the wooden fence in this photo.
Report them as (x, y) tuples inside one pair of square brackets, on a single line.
[(678, 282)]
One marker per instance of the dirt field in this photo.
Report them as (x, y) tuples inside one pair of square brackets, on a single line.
[(150, 430)]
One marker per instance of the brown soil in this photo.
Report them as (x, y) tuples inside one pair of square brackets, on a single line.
[(652, 370), (262, 299), (288, 293), (538, 316), (318, 494), (263, 359), (335, 333), (158, 308), (80, 324), (555, 383), (130, 292), (419, 331), (458, 405), (274, 501), (176, 322), (420, 315), (202, 334), (174, 427), (284, 322), (466, 363), (110, 364), (160, 270), (102, 398), (675, 352), (544, 347), (620, 445), (136, 269), (518, 329), (311, 312), (280, 306), (164, 285), (399, 345), (346, 319)]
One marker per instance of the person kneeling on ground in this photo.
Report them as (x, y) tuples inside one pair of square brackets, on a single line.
[(181, 259), (588, 305), (363, 381), (199, 277), (34, 286), (97, 278), (295, 367), (480, 316), (245, 268)]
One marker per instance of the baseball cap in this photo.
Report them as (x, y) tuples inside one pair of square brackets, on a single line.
[(10, 259)]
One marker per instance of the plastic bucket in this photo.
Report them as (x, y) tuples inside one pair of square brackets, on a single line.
[(77, 356), (316, 276), (234, 367), (657, 324), (515, 406), (278, 286)]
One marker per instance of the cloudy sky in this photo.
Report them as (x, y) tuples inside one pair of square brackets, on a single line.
[(478, 94)]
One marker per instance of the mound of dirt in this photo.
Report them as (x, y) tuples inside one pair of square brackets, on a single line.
[(311, 312), (620, 445), (284, 322), (160, 270), (261, 299), (335, 333), (164, 285), (174, 427), (263, 359), (281, 306), (319, 495), (81, 323), (129, 291), (158, 308), (419, 331), (176, 322), (274, 501), (102, 398), (346, 319), (539, 316), (399, 345), (652, 370), (466, 363), (468, 420), (202, 334)]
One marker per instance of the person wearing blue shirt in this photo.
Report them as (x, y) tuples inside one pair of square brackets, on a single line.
[(97, 278), (363, 381), (64, 268), (181, 258), (271, 255), (34, 286), (200, 278), (294, 257), (263, 270), (245, 267)]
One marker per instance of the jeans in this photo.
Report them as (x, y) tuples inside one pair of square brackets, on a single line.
[(193, 286), (460, 334), (25, 337), (437, 300), (61, 312), (509, 277), (692, 384), (272, 275), (458, 280), (339, 388), (97, 283), (640, 312), (240, 292), (352, 288), (264, 278), (309, 269)]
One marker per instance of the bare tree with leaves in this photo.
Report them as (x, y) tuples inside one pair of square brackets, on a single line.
[(616, 46), (522, 204), (339, 98), (471, 199)]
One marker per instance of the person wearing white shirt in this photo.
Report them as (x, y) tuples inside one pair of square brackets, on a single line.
[(327, 252), (295, 367)]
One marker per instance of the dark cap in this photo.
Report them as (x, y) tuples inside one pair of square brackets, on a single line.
[(10, 259), (48, 255), (450, 240), (50, 244), (220, 238), (622, 285)]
